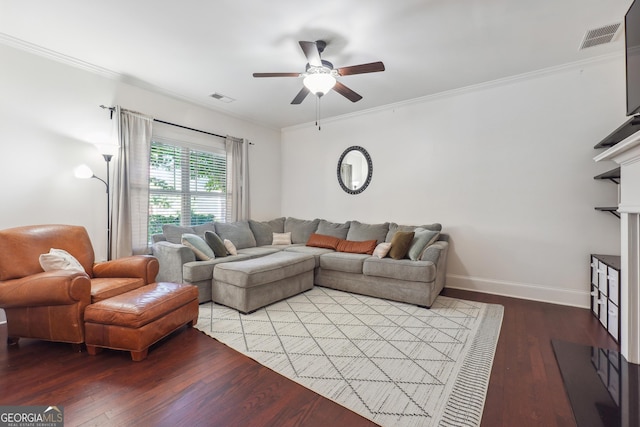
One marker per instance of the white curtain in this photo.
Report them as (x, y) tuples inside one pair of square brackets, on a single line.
[(130, 192), (237, 179)]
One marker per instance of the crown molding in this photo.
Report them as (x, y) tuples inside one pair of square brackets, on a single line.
[(56, 56), (95, 69), (105, 72), (530, 75)]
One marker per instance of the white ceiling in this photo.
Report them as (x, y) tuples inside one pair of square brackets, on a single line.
[(193, 48)]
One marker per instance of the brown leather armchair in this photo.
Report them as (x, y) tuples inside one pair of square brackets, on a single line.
[(50, 305)]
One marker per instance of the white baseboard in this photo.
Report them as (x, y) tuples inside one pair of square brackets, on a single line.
[(528, 291)]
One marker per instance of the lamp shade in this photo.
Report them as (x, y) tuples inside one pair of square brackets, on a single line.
[(83, 171), (319, 83)]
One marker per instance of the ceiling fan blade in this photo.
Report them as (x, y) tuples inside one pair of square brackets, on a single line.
[(346, 92), (276, 74), (312, 53), (301, 95), (372, 67)]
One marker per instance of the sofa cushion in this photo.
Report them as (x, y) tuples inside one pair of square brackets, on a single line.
[(215, 243), (323, 241), (334, 229), (173, 233), (421, 239), (200, 229), (263, 230), (300, 229), (267, 269), (403, 269), (310, 250), (393, 227), (237, 232), (359, 231), (343, 261), (400, 244), (365, 247), (259, 251), (199, 246), (197, 271)]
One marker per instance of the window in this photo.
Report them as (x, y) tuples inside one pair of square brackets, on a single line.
[(187, 185)]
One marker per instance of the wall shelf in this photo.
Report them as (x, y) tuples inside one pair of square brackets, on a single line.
[(627, 129), (613, 210), (612, 175)]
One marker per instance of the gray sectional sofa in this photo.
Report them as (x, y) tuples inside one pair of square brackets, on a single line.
[(416, 281)]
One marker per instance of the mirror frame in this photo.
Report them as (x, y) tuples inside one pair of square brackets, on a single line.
[(369, 172)]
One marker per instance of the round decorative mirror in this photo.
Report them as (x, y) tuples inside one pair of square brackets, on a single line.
[(354, 170)]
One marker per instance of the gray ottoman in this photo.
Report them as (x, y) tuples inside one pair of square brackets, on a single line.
[(255, 283)]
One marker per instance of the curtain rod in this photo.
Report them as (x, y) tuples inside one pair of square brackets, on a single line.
[(112, 109), (188, 128)]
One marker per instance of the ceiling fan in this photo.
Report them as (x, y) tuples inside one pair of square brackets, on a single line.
[(320, 76)]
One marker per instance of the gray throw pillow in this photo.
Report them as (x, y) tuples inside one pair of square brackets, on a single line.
[(198, 246), (263, 230), (300, 229), (338, 230), (237, 232), (359, 231), (393, 227), (421, 239), (173, 233), (215, 243)]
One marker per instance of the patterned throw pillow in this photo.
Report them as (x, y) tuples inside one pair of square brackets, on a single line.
[(282, 238), (231, 248), (382, 250)]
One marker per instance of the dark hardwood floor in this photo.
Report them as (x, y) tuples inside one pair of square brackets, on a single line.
[(190, 379)]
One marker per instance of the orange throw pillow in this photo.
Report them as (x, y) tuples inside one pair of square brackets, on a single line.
[(364, 247), (323, 241)]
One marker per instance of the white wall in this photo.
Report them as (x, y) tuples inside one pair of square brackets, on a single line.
[(506, 167), (49, 119)]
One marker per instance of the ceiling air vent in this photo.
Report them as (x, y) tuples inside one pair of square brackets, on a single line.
[(221, 97), (600, 35)]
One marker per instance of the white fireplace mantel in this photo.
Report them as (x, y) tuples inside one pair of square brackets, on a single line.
[(627, 154)]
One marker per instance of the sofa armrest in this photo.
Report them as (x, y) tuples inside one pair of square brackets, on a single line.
[(434, 251), (144, 267), (437, 253), (59, 287), (172, 256)]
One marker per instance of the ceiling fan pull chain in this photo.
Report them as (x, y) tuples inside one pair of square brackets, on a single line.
[(318, 112)]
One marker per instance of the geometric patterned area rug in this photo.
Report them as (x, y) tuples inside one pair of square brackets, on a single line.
[(396, 364)]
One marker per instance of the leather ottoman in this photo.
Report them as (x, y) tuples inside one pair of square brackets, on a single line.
[(135, 320)]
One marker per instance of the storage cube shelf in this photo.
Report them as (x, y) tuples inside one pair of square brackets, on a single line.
[(605, 292)]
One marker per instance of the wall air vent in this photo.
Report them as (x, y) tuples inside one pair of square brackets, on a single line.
[(222, 98), (601, 35)]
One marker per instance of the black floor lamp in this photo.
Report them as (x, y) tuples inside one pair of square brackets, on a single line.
[(85, 172)]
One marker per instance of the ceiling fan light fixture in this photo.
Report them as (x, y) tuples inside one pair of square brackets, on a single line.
[(319, 83)]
